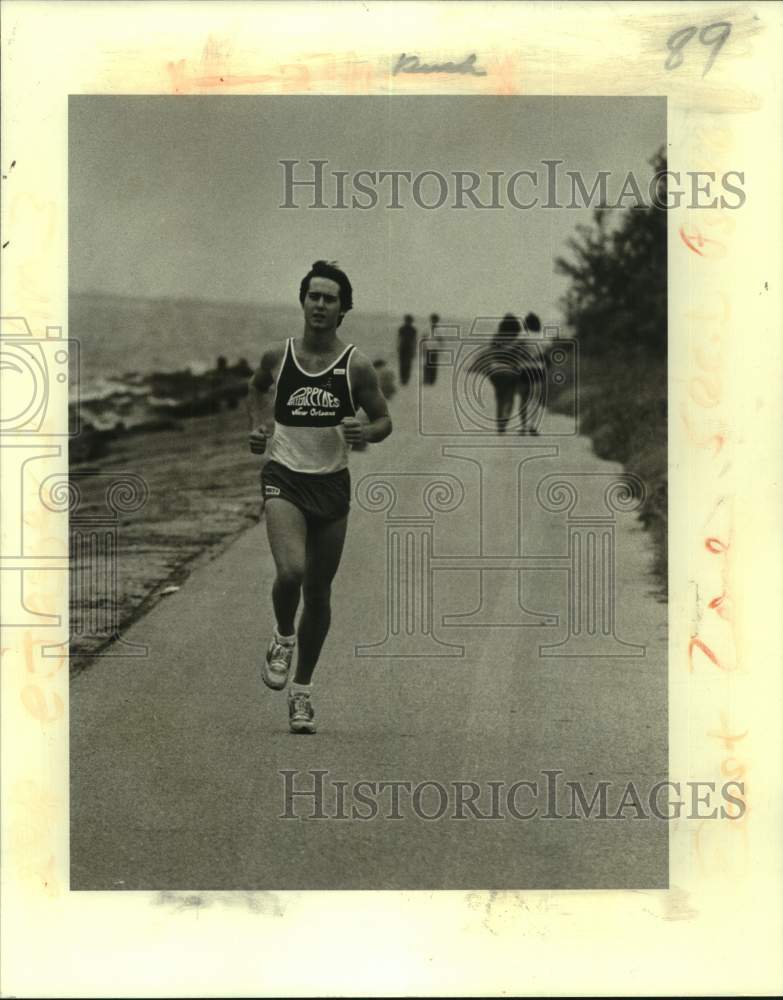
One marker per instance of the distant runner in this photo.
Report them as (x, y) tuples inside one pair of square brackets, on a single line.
[(303, 401)]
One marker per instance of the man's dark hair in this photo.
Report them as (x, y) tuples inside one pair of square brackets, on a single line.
[(408, 318), (329, 269), (532, 323), (434, 319)]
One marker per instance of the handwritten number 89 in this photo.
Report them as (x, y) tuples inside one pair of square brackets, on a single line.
[(712, 35)]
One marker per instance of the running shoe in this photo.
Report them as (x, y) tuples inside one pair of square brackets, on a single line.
[(277, 666), (301, 717)]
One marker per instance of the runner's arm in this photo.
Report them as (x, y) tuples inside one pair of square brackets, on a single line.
[(367, 396)]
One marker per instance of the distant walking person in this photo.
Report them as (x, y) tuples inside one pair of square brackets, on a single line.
[(406, 348), (430, 372), (501, 362), (303, 402), (532, 378)]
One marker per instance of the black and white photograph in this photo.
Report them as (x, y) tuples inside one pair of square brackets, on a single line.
[(372, 449)]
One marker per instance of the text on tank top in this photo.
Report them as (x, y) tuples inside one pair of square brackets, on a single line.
[(309, 408)]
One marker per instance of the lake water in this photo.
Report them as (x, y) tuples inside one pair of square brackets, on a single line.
[(121, 336)]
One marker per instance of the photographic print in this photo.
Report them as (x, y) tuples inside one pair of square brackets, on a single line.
[(445, 326)]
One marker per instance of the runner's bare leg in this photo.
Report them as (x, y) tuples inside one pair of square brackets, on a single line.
[(286, 529), (324, 549)]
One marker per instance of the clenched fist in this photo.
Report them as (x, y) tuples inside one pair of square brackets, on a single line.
[(258, 440), (353, 432)]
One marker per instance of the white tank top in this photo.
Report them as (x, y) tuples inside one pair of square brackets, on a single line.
[(309, 407)]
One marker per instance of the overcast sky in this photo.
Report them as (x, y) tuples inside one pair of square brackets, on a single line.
[(180, 196)]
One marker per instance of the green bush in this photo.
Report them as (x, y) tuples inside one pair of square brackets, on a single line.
[(616, 306)]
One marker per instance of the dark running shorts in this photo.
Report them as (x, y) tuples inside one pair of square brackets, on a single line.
[(319, 496)]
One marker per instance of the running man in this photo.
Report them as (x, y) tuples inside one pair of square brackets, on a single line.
[(303, 402)]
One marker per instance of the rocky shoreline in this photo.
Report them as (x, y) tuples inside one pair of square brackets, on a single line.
[(137, 403), (200, 489)]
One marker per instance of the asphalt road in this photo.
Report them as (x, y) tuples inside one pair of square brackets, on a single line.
[(176, 758)]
